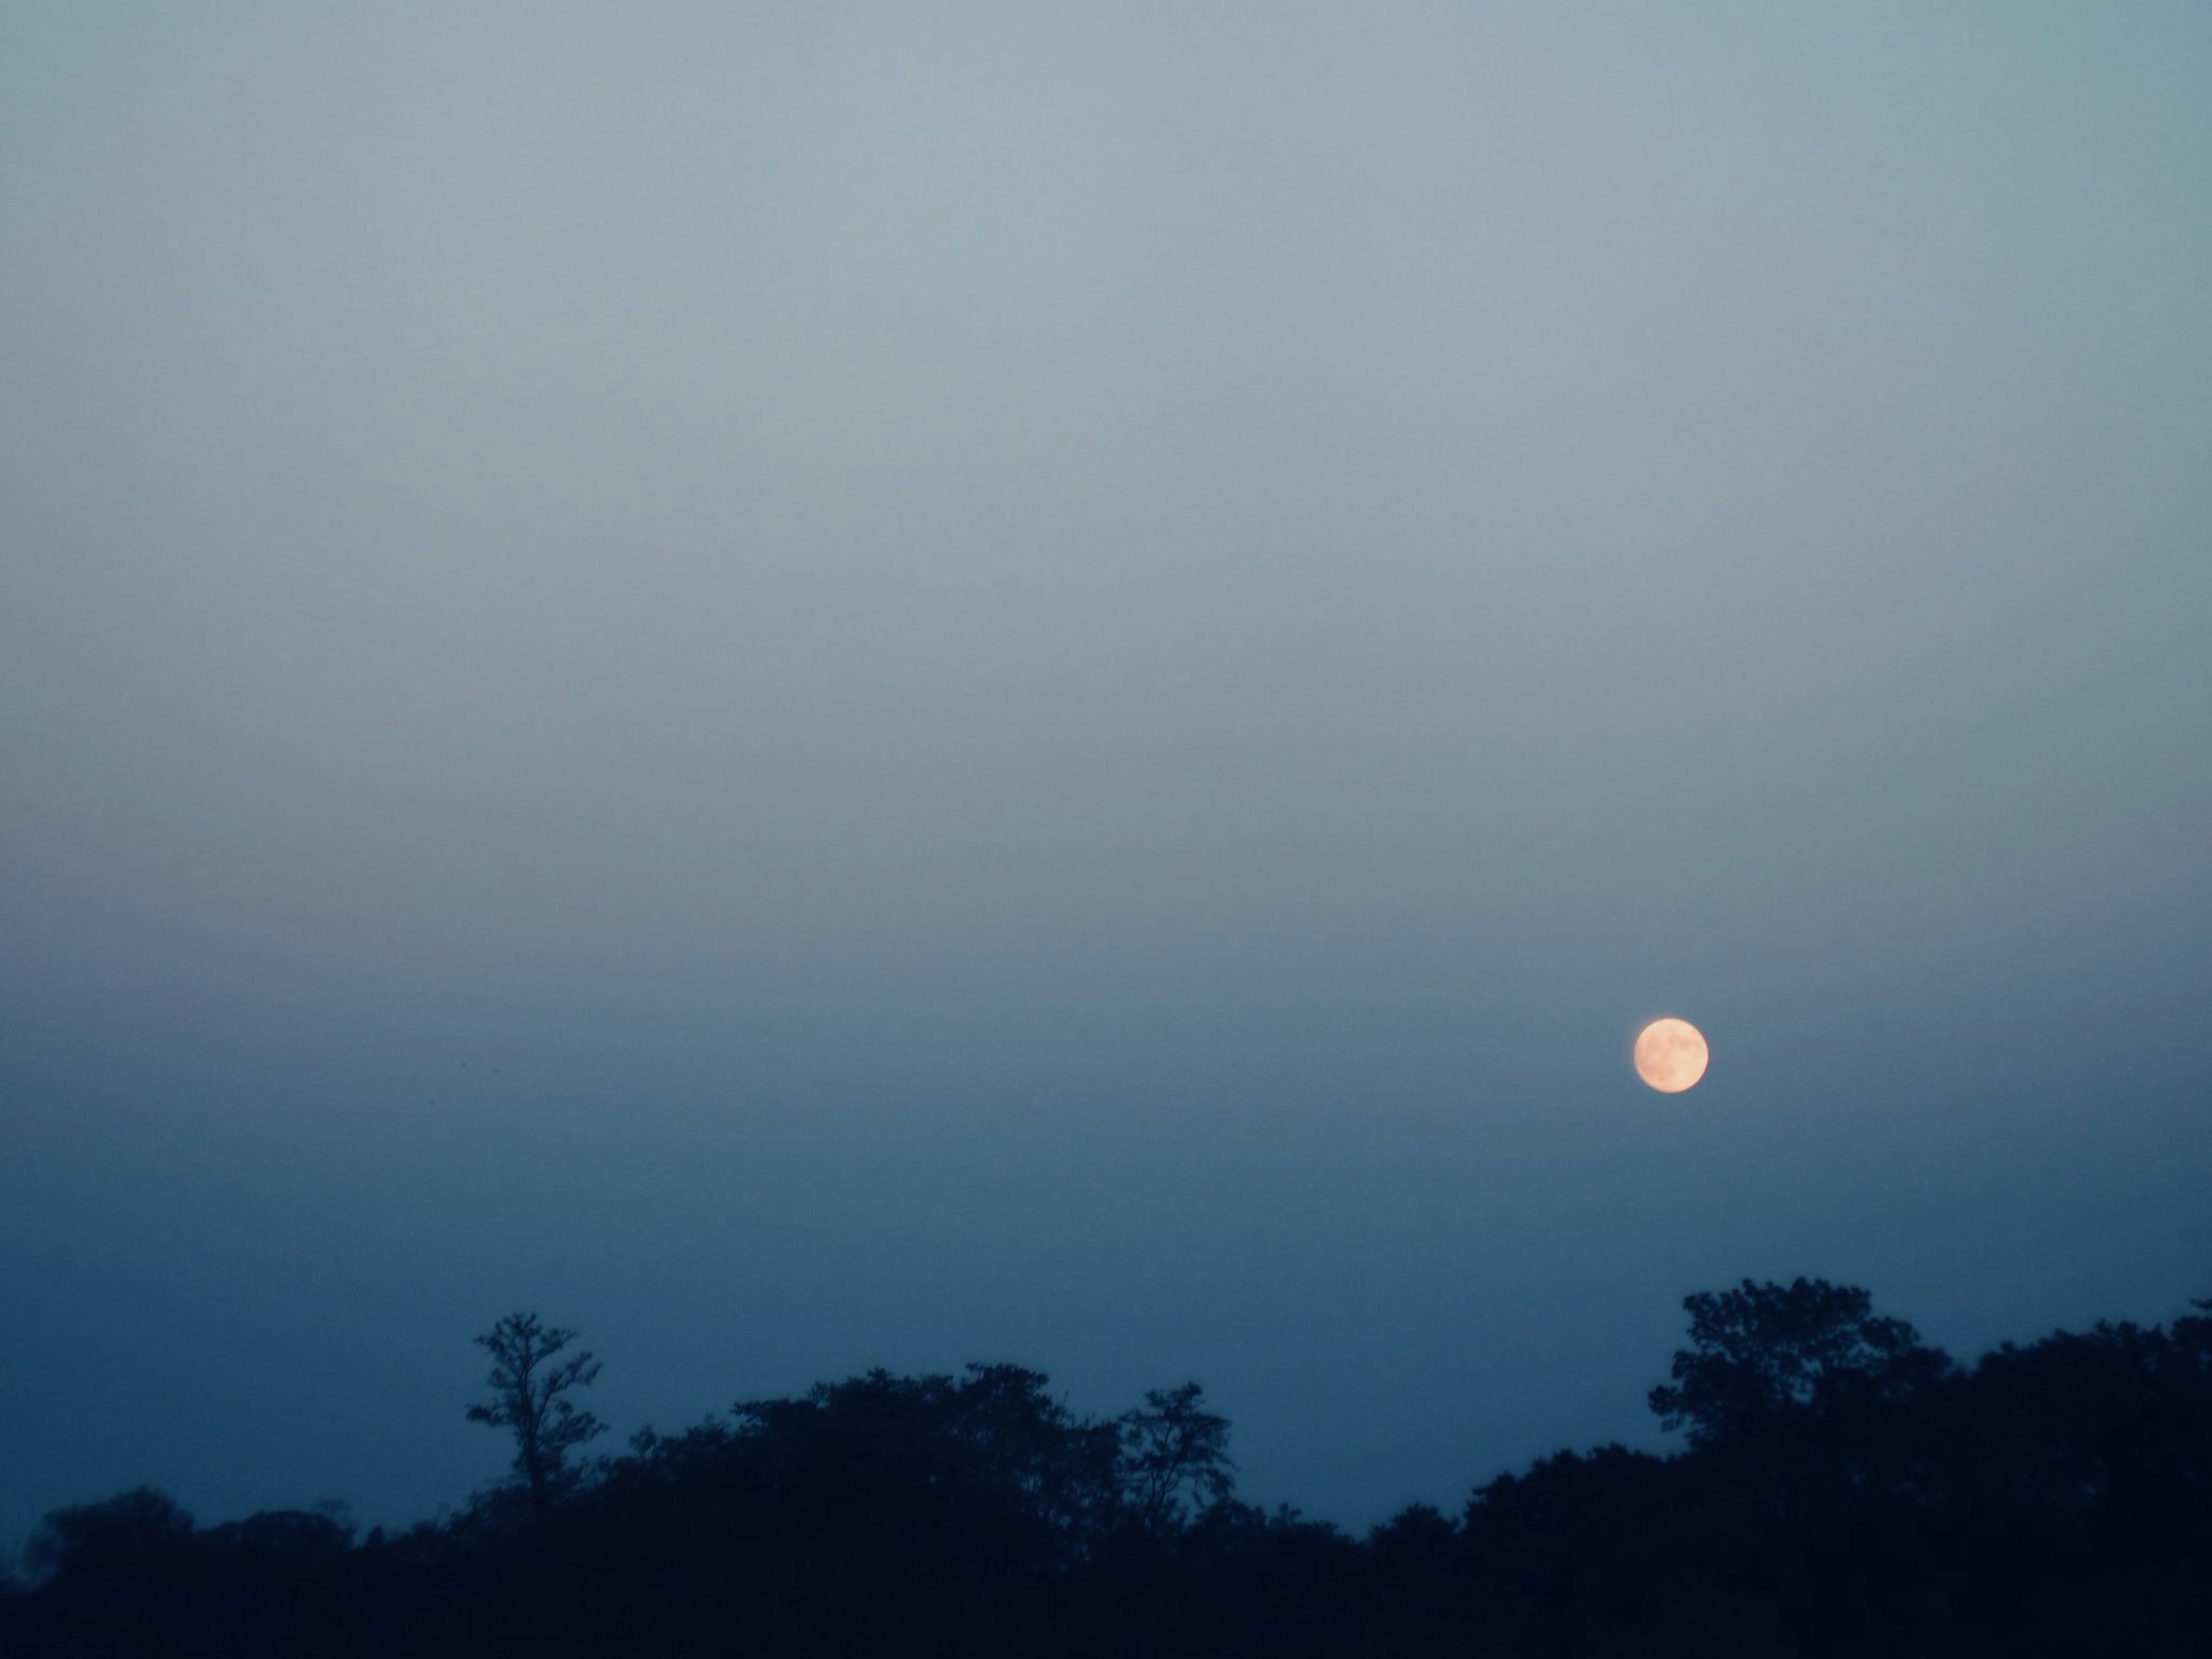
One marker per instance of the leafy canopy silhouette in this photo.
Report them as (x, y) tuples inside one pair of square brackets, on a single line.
[(1848, 1492), (1174, 1457), (529, 1382), (1760, 1349)]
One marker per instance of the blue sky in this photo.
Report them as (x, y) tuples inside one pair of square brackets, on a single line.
[(843, 685)]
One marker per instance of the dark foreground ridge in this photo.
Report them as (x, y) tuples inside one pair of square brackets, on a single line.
[(1846, 1490)]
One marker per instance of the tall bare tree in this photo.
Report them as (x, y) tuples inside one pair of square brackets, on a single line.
[(529, 1381)]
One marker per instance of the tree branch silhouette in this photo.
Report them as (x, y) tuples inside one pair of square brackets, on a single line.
[(528, 1398)]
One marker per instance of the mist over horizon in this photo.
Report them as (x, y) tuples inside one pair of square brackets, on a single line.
[(815, 688)]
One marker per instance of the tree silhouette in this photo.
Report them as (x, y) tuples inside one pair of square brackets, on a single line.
[(1175, 1455), (1061, 1466), (1849, 1493), (1760, 1349), (97, 1544), (528, 1382)]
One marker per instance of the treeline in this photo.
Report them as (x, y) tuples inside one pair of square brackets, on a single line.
[(1845, 1490)]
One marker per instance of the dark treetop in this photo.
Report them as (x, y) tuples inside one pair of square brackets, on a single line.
[(1845, 1490)]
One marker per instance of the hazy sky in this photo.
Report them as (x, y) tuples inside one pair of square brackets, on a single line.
[(828, 685)]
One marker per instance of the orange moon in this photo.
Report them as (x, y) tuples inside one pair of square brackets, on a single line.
[(1671, 1055)]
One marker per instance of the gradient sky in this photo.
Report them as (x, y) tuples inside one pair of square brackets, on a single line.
[(828, 685)]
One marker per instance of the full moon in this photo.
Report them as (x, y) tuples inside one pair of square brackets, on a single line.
[(1671, 1055)]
